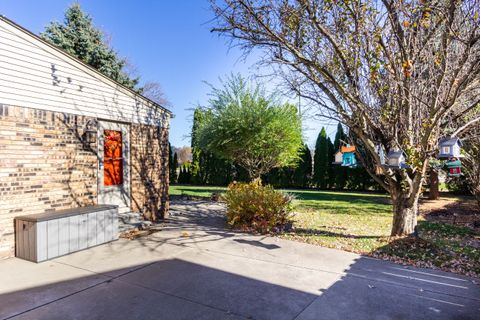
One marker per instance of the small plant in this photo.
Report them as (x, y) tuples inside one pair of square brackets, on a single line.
[(253, 206)]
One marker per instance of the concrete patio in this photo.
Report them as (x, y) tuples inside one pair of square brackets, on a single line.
[(193, 268)]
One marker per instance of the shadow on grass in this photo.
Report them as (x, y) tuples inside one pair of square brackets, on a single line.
[(344, 196), (307, 195), (350, 209), (305, 232), (199, 191)]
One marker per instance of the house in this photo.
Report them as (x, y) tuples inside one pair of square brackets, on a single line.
[(338, 158), (396, 159), (72, 137), (348, 156), (449, 148)]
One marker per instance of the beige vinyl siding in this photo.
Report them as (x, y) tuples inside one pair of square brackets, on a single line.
[(35, 75)]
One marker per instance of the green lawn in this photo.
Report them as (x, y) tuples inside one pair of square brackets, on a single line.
[(361, 222)]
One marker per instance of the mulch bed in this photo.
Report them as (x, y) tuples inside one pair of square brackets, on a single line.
[(462, 211)]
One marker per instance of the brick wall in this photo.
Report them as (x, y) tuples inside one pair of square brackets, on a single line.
[(43, 166), (150, 171)]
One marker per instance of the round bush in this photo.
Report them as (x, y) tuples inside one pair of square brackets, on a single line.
[(253, 206)]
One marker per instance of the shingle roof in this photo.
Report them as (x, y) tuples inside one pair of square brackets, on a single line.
[(450, 141), (348, 149), (395, 154)]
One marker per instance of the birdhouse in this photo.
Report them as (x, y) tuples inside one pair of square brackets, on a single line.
[(348, 156), (381, 153), (396, 159), (454, 168), (338, 158), (449, 148)]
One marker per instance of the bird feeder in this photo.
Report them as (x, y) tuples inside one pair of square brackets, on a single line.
[(454, 168), (449, 148), (396, 159), (338, 158), (348, 156)]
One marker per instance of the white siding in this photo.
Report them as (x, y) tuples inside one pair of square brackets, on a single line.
[(35, 75)]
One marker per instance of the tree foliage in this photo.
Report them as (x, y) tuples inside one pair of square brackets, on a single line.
[(250, 128), (321, 161), (78, 36), (396, 73), (173, 165), (303, 172), (207, 168), (471, 162)]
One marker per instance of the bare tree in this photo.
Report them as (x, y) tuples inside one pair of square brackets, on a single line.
[(184, 154), (154, 92), (471, 161), (395, 72)]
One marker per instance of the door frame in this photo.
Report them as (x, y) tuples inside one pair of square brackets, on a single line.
[(116, 195)]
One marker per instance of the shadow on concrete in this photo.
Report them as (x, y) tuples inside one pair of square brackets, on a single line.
[(179, 289), (169, 289), (257, 244), (318, 232)]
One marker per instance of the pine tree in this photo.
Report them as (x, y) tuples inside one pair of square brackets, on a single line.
[(340, 173), (174, 168), (320, 161), (181, 176), (79, 37), (170, 163), (330, 165), (302, 174)]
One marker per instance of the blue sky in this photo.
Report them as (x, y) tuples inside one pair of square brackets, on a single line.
[(167, 41)]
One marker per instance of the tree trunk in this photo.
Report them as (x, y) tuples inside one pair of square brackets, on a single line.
[(404, 216), (434, 194)]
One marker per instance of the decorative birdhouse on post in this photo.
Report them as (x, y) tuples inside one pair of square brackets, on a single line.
[(396, 159), (454, 167), (338, 158), (449, 148), (348, 156)]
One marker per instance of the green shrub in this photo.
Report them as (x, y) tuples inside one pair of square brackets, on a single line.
[(252, 206)]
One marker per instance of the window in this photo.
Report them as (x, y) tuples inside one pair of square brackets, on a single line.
[(112, 158), (446, 150)]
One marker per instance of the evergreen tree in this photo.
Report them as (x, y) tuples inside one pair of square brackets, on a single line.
[(340, 173), (320, 160), (170, 163), (79, 37), (173, 171), (188, 175), (302, 174), (330, 165), (181, 175)]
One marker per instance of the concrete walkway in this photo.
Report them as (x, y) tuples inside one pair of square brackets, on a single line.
[(194, 269)]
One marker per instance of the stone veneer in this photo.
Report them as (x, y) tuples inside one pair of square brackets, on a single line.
[(44, 165)]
